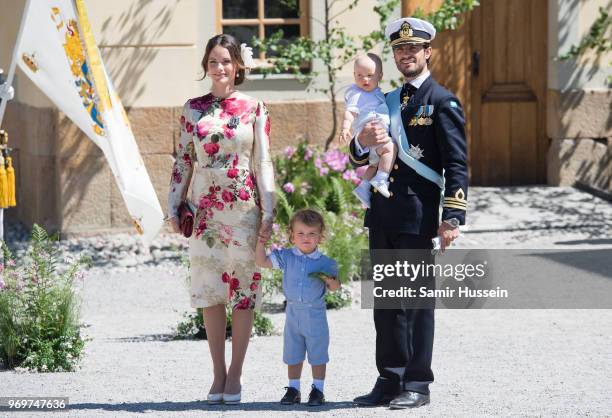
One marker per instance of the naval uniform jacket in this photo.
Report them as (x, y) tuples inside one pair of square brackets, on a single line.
[(441, 144)]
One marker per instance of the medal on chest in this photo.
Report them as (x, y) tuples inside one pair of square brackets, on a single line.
[(415, 152), (422, 116), (404, 102)]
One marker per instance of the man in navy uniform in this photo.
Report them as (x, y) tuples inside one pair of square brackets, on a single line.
[(427, 124)]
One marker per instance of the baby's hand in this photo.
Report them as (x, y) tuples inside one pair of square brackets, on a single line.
[(345, 136)]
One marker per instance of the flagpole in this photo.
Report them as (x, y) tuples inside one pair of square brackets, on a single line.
[(12, 68), (9, 82)]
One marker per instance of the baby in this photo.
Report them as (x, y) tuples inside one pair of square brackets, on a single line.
[(366, 102)]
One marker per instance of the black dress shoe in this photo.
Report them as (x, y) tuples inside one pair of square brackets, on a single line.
[(409, 399), (383, 392), (291, 397), (316, 397)]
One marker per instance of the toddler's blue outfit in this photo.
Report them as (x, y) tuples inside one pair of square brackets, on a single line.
[(306, 329)]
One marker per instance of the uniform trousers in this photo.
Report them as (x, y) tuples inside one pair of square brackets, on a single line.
[(404, 336)]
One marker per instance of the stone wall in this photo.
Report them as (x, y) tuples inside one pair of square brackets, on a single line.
[(579, 122)]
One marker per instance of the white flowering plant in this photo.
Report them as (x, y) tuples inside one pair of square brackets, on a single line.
[(40, 329)]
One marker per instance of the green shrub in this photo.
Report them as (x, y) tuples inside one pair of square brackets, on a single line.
[(262, 325), (344, 242), (39, 308), (338, 299), (192, 326)]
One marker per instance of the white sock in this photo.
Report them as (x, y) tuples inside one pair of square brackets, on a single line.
[(318, 383), (381, 176), (365, 184), (294, 383)]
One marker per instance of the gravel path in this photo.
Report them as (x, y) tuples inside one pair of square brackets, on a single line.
[(486, 362)]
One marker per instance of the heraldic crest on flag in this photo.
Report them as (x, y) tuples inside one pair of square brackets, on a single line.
[(78, 66), (57, 51)]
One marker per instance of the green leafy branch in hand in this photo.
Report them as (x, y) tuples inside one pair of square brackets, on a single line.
[(321, 275)]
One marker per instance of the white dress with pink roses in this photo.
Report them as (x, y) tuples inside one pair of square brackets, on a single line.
[(225, 144)]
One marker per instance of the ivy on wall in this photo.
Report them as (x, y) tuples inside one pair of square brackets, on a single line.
[(599, 40)]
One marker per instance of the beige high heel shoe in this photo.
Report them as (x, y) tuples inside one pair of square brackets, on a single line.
[(214, 398), (232, 398)]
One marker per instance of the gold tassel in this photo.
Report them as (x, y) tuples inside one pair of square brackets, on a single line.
[(10, 178), (3, 185)]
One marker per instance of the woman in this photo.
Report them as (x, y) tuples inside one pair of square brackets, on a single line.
[(224, 145)]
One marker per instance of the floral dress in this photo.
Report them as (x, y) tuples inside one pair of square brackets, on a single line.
[(225, 149)]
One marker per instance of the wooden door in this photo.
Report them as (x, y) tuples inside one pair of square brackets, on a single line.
[(496, 63), (508, 80)]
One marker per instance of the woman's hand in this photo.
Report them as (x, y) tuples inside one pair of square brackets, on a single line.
[(265, 232), (174, 224)]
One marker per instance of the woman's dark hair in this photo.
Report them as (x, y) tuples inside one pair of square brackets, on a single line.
[(231, 44)]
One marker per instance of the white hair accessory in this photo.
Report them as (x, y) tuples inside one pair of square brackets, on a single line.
[(246, 52)]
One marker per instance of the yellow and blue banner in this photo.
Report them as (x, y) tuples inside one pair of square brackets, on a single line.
[(57, 51)]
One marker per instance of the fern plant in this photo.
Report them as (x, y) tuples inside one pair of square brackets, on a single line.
[(338, 200), (284, 209), (344, 242)]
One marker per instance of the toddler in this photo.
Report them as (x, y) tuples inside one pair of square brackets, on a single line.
[(306, 275), (366, 102)]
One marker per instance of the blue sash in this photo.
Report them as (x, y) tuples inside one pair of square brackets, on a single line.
[(401, 139)]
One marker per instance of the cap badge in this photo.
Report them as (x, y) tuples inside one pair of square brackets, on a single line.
[(405, 31)]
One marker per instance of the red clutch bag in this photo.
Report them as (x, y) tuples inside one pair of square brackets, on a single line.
[(185, 215)]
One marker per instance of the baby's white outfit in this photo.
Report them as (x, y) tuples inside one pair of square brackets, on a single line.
[(368, 105)]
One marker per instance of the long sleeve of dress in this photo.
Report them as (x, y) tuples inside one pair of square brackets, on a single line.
[(262, 163), (183, 165)]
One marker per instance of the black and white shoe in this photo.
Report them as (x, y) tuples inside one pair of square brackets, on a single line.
[(316, 397), (292, 396)]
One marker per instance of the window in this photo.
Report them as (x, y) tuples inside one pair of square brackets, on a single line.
[(246, 19)]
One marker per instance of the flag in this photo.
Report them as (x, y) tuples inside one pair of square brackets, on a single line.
[(57, 51)]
